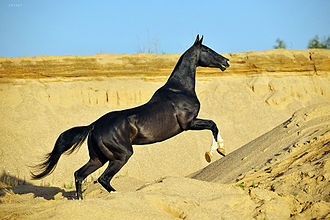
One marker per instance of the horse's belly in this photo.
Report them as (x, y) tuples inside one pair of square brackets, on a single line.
[(156, 127), (140, 140)]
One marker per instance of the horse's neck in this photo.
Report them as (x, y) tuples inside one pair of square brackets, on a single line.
[(184, 74)]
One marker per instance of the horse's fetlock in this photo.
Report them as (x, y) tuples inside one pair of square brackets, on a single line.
[(101, 181)]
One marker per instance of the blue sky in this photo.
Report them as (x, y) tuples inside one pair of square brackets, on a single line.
[(48, 27)]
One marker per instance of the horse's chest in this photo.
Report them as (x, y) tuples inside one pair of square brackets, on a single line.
[(188, 106), (186, 111)]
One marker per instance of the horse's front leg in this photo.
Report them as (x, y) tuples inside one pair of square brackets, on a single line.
[(217, 144)]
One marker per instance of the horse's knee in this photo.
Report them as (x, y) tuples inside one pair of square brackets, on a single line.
[(123, 157)]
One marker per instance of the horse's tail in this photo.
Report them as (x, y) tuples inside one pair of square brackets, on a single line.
[(67, 142)]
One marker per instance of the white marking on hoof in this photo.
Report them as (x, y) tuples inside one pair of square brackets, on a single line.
[(217, 145), (113, 192), (214, 146)]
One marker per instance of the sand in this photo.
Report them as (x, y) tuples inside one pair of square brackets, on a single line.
[(272, 108)]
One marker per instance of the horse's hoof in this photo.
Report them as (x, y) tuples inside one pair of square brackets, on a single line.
[(221, 151), (208, 157)]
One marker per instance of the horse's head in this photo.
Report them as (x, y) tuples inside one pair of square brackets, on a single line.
[(208, 57)]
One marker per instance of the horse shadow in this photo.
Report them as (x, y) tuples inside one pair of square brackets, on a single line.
[(21, 187)]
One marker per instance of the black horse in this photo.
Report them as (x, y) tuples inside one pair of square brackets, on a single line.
[(171, 110)]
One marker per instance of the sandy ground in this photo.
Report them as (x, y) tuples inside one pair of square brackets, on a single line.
[(272, 109)]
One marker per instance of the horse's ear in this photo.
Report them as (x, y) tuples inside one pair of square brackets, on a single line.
[(201, 40), (197, 39)]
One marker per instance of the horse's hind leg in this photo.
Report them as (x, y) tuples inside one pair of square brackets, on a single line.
[(93, 164), (83, 172), (115, 164)]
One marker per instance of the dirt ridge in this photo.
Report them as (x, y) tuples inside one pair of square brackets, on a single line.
[(274, 62)]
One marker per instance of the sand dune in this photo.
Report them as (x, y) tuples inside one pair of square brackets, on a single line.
[(275, 104)]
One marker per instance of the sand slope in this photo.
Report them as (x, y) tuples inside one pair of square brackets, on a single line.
[(306, 126), (291, 160)]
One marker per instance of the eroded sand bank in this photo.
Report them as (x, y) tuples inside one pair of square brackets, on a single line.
[(251, 103)]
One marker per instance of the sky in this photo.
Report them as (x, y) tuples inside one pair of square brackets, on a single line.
[(79, 27)]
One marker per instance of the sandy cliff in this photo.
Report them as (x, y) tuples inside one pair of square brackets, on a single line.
[(41, 97)]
